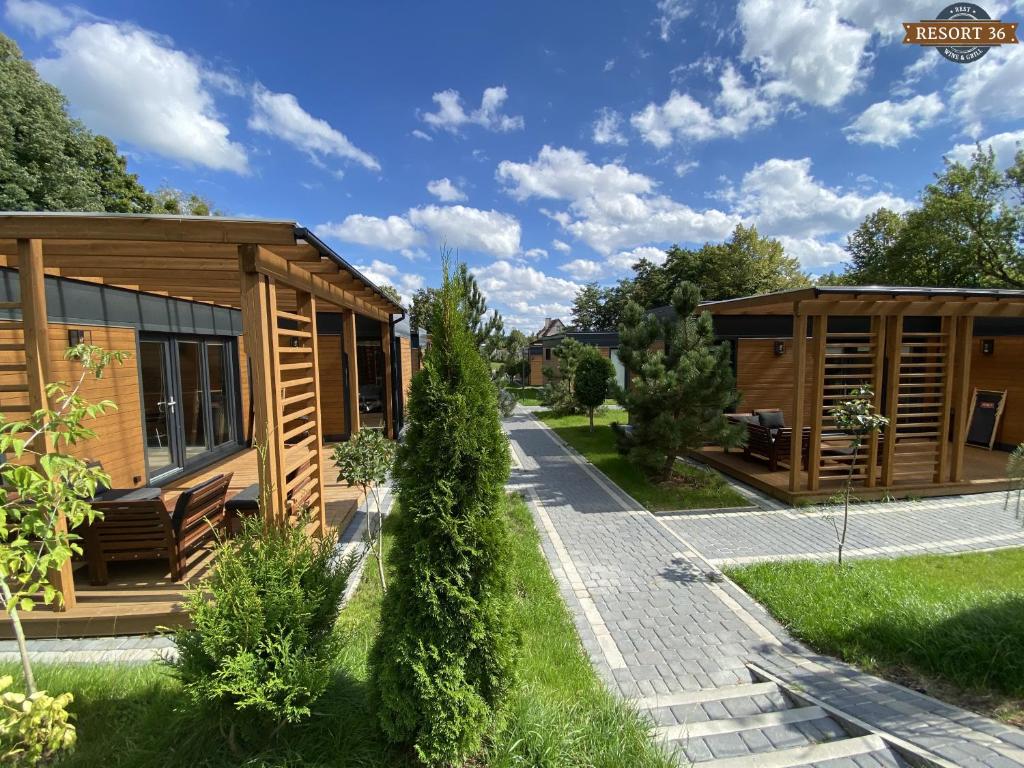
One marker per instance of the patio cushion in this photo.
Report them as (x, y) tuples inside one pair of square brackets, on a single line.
[(771, 419), (745, 418)]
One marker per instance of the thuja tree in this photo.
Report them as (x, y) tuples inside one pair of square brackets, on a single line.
[(445, 653), (560, 390), (682, 383), (594, 378)]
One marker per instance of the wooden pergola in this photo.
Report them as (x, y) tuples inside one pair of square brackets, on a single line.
[(920, 378), (276, 272)]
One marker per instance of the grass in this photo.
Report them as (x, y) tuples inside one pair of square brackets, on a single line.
[(950, 625), (526, 395), (558, 714), (692, 488)]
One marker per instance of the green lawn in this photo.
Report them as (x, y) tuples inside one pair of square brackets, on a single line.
[(559, 714), (691, 489), (952, 625), (526, 395)]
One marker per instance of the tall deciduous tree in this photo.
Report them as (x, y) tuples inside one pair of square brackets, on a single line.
[(968, 232), (49, 162), (682, 383), (445, 653)]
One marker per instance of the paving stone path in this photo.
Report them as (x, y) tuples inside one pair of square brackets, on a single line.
[(667, 630), (942, 525)]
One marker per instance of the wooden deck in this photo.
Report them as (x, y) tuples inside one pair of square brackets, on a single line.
[(140, 597), (984, 471)]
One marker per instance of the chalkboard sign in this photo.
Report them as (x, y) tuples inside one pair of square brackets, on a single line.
[(986, 410)]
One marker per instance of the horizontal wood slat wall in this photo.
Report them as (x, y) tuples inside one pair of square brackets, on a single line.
[(765, 380), (118, 441), (1003, 369)]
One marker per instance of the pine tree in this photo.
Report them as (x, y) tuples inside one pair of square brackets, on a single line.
[(446, 651), (681, 388)]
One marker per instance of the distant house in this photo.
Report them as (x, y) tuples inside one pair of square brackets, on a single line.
[(542, 352), (552, 327)]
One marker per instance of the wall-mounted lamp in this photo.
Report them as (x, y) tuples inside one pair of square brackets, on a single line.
[(75, 337), (780, 348), (295, 341), (988, 346)]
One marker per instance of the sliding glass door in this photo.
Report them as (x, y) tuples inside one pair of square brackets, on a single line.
[(190, 402)]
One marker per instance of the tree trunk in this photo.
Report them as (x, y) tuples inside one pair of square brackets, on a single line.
[(19, 634), (666, 470), (591, 419), (846, 498)]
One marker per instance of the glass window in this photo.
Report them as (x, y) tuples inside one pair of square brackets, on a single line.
[(193, 412), (220, 413)]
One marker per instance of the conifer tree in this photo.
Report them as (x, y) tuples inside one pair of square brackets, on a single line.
[(446, 651), (680, 388)]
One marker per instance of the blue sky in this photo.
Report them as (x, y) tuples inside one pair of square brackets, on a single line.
[(549, 143)]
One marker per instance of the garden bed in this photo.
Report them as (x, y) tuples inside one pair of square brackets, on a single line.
[(558, 713), (949, 625), (690, 487)]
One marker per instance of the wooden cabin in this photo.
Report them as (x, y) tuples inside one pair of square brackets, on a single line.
[(542, 353), (926, 353), (242, 333)]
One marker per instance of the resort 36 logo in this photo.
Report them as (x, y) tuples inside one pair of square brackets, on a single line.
[(963, 32)]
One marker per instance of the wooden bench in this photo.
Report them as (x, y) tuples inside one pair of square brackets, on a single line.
[(144, 529)]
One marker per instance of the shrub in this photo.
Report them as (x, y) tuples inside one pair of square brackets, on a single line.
[(559, 393), (445, 655), (507, 401), (262, 641), (33, 728), (593, 381)]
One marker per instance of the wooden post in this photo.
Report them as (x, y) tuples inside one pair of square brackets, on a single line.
[(819, 338), (36, 332), (799, 385), (894, 353), (961, 395), (949, 330), (348, 333), (877, 367), (306, 303), (389, 384), (259, 328)]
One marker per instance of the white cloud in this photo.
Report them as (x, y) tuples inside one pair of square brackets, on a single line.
[(814, 255), (523, 294), (888, 122), (445, 190), (1004, 145), (461, 227), (41, 19), (991, 88), (807, 50), (394, 233), (422, 135), (456, 226), (685, 167), (782, 198), (584, 269), (451, 116), (561, 246), (280, 115), (133, 86), (606, 128), (671, 11), (535, 253), (380, 272), (609, 65), (737, 109), (616, 264), (609, 206)]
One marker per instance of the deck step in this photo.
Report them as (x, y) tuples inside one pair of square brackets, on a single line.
[(748, 723), (799, 756), (706, 695)]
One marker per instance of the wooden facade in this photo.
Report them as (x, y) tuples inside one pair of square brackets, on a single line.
[(917, 350), (275, 275)]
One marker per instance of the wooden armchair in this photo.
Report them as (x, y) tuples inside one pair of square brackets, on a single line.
[(145, 530)]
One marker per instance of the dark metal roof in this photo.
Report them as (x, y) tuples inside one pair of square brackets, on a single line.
[(596, 338)]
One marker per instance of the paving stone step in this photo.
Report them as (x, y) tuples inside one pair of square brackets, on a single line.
[(773, 735), (772, 699), (810, 755), (734, 724), (705, 695)]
